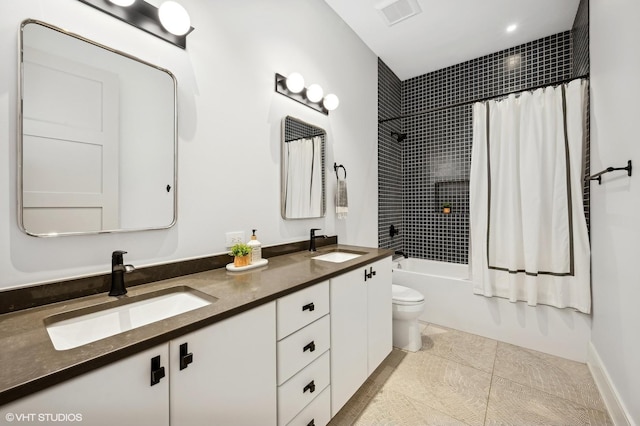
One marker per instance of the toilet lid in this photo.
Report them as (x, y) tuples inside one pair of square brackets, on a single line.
[(405, 294)]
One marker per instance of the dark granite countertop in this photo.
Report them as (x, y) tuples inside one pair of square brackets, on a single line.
[(29, 362)]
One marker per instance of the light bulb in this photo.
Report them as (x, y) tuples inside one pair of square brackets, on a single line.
[(123, 3), (331, 102), (174, 18), (295, 82), (314, 93)]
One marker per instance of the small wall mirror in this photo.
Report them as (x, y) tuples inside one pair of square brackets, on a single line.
[(303, 166), (97, 137)]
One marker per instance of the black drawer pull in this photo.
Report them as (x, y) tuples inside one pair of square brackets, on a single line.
[(310, 347), (309, 306), (186, 358), (311, 387), (312, 422), (157, 372)]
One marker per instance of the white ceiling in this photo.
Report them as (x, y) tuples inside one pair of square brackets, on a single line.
[(448, 32)]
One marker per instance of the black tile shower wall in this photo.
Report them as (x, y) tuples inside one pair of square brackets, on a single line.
[(437, 152), (580, 34), (389, 160), (580, 39)]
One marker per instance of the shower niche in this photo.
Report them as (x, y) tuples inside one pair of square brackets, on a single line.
[(453, 193)]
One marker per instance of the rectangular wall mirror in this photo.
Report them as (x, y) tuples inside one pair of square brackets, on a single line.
[(303, 170), (96, 139)]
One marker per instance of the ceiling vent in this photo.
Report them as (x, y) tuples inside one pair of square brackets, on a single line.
[(394, 11)]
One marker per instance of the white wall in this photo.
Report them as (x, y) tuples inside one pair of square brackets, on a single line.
[(615, 205), (229, 126)]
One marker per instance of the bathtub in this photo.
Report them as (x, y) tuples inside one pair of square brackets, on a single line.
[(437, 281), (406, 270), (450, 302)]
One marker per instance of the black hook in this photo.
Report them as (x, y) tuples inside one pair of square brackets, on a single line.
[(336, 167)]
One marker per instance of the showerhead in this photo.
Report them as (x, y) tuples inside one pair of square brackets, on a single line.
[(399, 136)]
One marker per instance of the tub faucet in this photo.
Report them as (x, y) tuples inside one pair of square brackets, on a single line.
[(118, 269), (402, 253), (312, 238)]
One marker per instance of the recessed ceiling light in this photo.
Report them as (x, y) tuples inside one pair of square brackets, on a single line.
[(511, 28)]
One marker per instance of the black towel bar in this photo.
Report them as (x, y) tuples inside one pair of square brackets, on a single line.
[(598, 176)]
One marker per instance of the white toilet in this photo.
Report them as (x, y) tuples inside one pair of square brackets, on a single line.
[(408, 304)]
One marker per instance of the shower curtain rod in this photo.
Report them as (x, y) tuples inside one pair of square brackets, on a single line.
[(488, 98)]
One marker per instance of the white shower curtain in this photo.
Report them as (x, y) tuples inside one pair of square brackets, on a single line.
[(529, 237)]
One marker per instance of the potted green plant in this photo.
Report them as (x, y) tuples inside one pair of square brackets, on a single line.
[(241, 255), (446, 207)]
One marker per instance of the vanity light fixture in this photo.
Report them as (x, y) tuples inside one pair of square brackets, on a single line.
[(174, 18), (312, 96), (331, 102), (314, 93), (295, 82), (169, 22)]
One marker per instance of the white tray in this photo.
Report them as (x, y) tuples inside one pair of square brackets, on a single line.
[(258, 264)]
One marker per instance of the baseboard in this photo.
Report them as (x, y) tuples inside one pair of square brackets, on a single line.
[(616, 408)]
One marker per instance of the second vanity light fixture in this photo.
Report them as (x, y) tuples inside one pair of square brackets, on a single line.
[(170, 21), (292, 87)]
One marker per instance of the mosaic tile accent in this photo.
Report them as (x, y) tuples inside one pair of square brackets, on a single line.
[(436, 156), (389, 160), (580, 39), (580, 36)]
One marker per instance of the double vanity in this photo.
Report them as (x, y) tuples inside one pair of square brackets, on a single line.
[(288, 343)]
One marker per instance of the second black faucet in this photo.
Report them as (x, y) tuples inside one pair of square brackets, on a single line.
[(312, 238)]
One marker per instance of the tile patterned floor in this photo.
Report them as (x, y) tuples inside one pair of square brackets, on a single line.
[(463, 379)]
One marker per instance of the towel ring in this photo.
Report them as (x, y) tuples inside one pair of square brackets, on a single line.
[(336, 167)]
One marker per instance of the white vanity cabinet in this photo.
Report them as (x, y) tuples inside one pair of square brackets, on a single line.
[(228, 378), (361, 327), (117, 394), (303, 350), (228, 374)]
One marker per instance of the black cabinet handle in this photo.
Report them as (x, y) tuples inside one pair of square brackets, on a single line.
[(311, 387), (186, 358), (369, 275), (309, 307), (157, 372), (312, 422), (310, 347)]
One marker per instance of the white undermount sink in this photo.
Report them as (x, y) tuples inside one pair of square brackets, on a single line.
[(72, 329), (337, 256)]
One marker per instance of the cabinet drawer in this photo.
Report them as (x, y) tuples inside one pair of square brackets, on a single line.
[(301, 308), (302, 347), (301, 389), (317, 413)]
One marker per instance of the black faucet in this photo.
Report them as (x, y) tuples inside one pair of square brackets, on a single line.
[(118, 269), (402, 253), (312, 238)]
